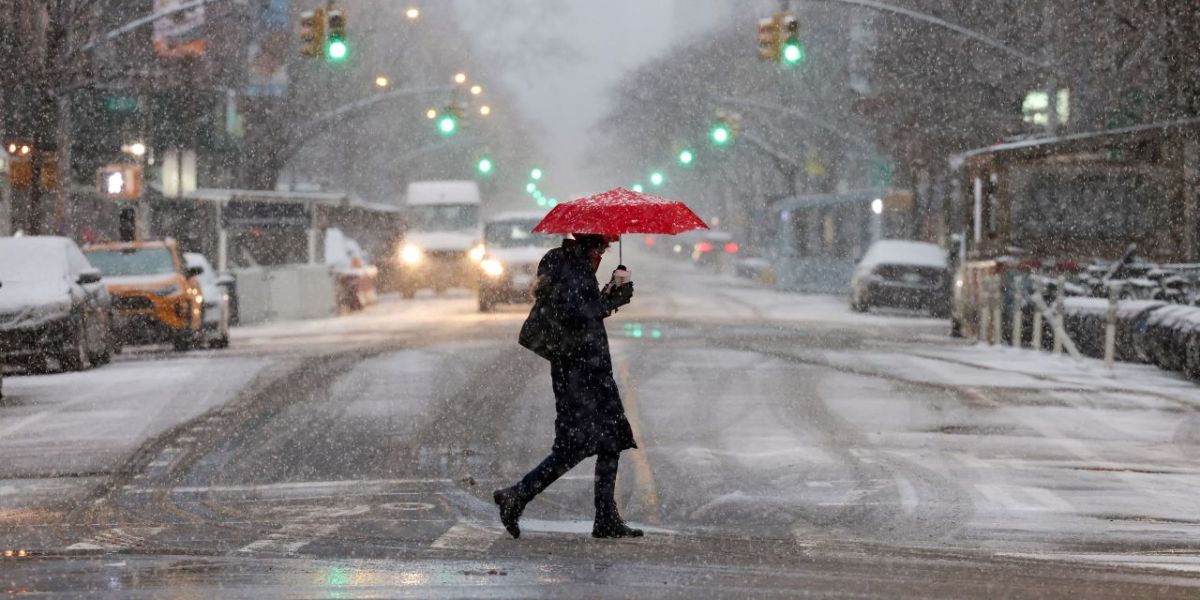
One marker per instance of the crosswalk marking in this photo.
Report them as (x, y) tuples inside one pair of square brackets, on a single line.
[(1023, 498), (467, 537), (290, 538)]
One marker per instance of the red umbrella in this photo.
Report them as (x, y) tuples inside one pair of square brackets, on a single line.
[(619, 211)]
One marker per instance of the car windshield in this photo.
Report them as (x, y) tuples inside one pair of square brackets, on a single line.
[(143, 261), (37, 261), (512, 234), (443, 217)]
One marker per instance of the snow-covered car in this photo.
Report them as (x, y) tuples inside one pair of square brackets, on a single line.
[(53, 305), (214, 312), (511, 256), (902, 274), (356, 276)]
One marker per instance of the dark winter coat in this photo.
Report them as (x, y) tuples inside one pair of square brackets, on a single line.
[(590, 418)]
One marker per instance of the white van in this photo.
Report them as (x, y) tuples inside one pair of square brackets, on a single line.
[(442, 245)]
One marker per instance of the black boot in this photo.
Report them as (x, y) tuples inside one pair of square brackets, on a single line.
[(609, 524), (511, 506)]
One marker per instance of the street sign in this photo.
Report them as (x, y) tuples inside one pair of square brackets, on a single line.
[(121, 104), (120, 181)]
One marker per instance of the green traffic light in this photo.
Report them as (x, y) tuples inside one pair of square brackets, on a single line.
[(484, 166), (656, 178), (535, 174), (337, 51), (530, 187), (637, 187), (541, 201), (720, 135), (447, 125), (793, 53), (686, 157)]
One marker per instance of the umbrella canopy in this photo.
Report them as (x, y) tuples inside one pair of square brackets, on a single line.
[(619, 211)]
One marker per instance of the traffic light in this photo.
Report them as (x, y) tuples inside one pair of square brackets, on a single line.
[(484, 166), (535, 174), (724, 129), (337, 50), (637, 187), (657, 178), (447, 125), (792, 52), (720, 133), (768, 39), (312, 32), (686, 157), (120, 181)]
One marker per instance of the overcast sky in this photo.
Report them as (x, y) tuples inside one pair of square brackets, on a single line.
[(560, 57)]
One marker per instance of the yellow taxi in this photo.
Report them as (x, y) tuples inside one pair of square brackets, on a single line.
[(155, 296)]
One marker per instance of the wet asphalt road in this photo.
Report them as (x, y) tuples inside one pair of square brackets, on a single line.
[(770, 466)]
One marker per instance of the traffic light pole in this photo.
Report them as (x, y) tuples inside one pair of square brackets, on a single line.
[(959, 29)]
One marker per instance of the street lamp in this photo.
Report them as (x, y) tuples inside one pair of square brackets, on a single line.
[(484, 166), (381, 82), (877, 206), (686, 157), (460, 78), (476, 90), (136, 149), (485, 110), (412, 13), (431, 114)]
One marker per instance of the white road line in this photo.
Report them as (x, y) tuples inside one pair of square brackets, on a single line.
[(292, 485), (468, 537), (114, 540), (290, 538), (1033, 499), (908, 495)]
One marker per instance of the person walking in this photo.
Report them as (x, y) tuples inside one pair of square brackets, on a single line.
[(590, 419)]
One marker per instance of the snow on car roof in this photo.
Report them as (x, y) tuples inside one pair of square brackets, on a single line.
[(905, 252), (442, 192), (30, 257)]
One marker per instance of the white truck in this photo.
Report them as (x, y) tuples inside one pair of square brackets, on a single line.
[(442, 246)]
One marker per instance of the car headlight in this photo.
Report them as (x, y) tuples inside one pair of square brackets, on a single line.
[(170, 290), (476, 253), (492, 267), (411, 254)]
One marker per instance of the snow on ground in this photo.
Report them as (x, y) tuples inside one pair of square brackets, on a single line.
[(60, 428), (677, 289)]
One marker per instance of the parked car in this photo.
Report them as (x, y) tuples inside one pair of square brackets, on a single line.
[(512, 252), (356, 276), (214, 315), (904, 274), (156, 298), (53, 306)]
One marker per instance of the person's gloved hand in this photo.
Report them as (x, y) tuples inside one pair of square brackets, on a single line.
[(620, 295)]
